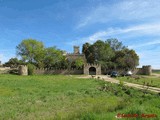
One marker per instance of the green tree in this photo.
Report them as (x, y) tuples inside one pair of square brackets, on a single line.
[(131, 59), (31, 51), (99, 52), (13, 63), (79, 62), (88, 51), (64, 64), (31, 69), (102, 51), (115, 44), (126, 58), (53, 57), (111, 54)]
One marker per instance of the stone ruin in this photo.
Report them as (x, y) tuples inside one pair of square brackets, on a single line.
[(145, 70), (75, 55), (88, 69), (23, 70)]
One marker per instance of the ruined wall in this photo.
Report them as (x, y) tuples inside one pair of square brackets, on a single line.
[(73, 57), (58, 71), (70, 71), (4, 70)]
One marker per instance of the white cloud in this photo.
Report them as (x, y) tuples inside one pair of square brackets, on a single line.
[(6, 54), (2, 57), (152, 29), (122, 10), (153, 42), (149, 57)]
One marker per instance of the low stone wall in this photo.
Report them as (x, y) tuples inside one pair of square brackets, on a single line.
[(4, 70), (58, 71)]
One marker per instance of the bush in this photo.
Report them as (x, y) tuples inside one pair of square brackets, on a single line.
[(121, 83), (13, 71), (88, 116), (31, 69)]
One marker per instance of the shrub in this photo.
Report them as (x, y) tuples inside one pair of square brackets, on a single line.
[(88, 116), (31, 69), (14, 71), (121, 83)]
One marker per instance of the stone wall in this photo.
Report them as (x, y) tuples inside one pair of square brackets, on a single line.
[(4, 70), (70, 71), (58, 71)]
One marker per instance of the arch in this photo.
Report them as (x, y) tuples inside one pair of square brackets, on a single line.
[(92, 71)]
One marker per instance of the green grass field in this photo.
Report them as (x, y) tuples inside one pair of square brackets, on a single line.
[(56, 97), (144, 80)]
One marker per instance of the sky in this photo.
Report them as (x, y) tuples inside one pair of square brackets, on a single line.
[(65, 23)]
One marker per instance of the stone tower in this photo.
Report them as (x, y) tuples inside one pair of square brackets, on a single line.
[(23, 70), (147, 70), (76, 50)]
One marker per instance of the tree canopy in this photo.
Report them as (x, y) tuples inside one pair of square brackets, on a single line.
[(13, 63), (53, 57), (30, 50), (110, 54), (33, 51)]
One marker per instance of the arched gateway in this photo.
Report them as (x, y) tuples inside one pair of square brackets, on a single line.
[(92, 69)]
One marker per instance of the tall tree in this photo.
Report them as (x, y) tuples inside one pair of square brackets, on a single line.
[(111, 54), (79, 62), (126, 59), (115, 44), (99, 52), (131, 58), (31, 50), (53, 57), (103, 51), (86, 50)]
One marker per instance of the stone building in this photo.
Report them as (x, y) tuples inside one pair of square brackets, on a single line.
[(88, 69)]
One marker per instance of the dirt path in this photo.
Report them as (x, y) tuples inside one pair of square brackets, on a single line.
[(112, 80), (155, 75)]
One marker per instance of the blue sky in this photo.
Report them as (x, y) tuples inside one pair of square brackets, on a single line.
[(64, 23)]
